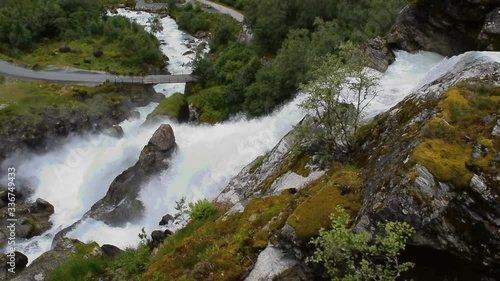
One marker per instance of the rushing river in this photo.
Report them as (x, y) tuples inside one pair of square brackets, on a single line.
[(79, 173)]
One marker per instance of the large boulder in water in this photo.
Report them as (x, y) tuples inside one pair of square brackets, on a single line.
[(448, 27), (121, 203), (32, 219)]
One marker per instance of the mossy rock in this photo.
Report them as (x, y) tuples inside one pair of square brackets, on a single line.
[(174, 107), (343, 188)]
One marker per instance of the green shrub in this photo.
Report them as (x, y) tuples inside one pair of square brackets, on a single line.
[(79, 268), (201, 210), (132, 262), (354, 256)]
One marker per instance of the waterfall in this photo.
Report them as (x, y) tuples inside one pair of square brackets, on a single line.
[(76, 175)]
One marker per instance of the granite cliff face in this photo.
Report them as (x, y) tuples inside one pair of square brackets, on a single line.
[(448, 27)]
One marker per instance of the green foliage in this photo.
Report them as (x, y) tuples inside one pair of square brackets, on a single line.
[(79, 269), (155, 24), (211, 104), (132, 262), (353, 256), (171, 107), (335, 98), (201, 210), (195, 20), (81, 266), (2, 79), (31, 30)]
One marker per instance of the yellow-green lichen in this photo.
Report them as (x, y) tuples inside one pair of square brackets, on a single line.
[(343, 188)]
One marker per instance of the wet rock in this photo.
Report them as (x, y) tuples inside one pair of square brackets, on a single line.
[(134, 115), (32, 219), (188, 53), (121, 203), (446, 27), (15, 260), (158, 97), (116, 132), (111, 250), (379, 54), (489, 37), (41, 267), (166, 219)]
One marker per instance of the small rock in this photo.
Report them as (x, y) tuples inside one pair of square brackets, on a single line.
[(76, 63), (111, 250), (157, 236), (134, 115), (252, 218), (188, 53), (39, 277), (76, 51), (98, 53), (87, 60), (496, 129), (35, 66), (64, 49), (166, 219), (116, 132)]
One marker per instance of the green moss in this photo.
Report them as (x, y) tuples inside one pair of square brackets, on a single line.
[(343, 188), (446, 161), (257, 163), (173, 107)]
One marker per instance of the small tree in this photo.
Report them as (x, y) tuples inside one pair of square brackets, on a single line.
[(155, 25), (350, 256), (340, 90)]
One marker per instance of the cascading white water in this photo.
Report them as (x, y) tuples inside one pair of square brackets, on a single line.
[(79, 173)]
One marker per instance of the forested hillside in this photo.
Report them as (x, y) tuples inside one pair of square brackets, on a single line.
[(288, 37), (32, 31)]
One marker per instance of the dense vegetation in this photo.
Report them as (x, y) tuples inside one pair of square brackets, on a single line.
[(288, 39), (30, 32)]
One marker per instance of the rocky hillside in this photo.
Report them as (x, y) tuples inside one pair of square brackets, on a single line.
[(431, 161), (448, 27)]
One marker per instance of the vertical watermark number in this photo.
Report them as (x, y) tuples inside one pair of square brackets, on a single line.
[(11, 220)]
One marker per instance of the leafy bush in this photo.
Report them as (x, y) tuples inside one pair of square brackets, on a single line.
[(79, 269), (201, 210), (132, 262), (354, 256)]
